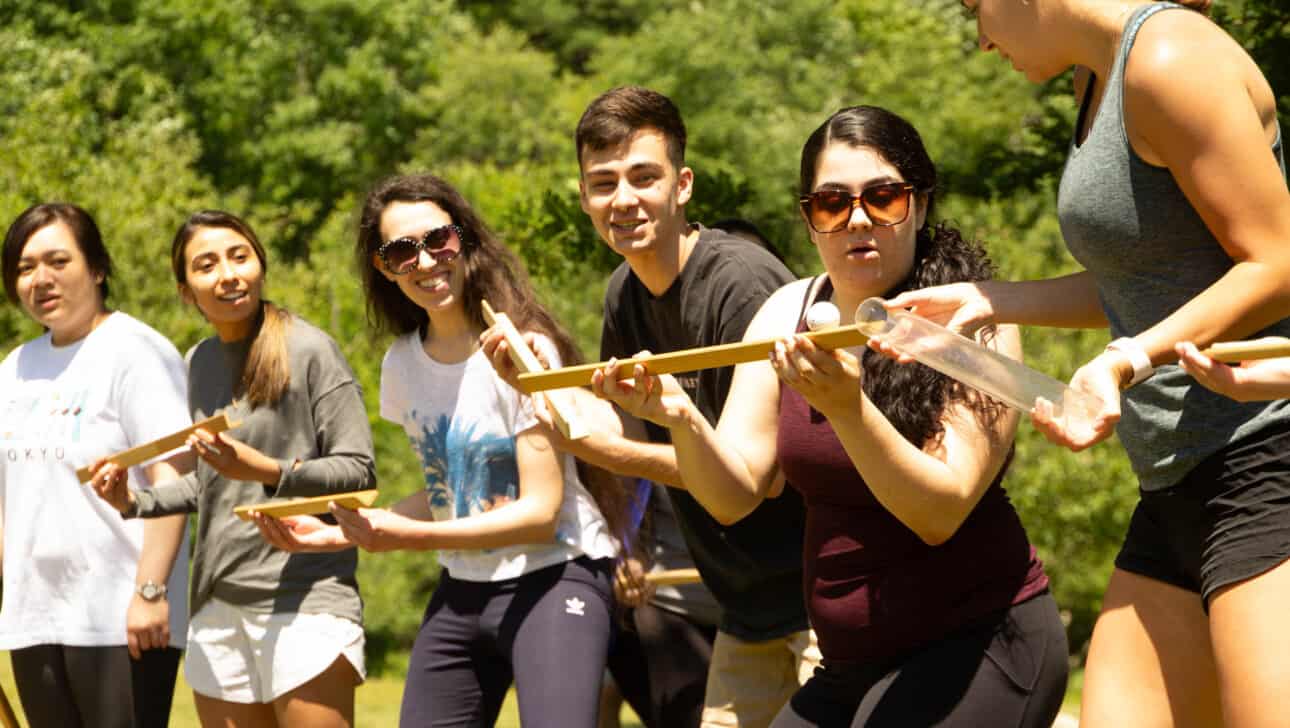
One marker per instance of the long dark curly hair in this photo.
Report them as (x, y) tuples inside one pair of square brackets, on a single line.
[(912, 396)]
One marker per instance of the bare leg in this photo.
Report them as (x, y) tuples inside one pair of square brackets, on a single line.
[(1247, 622), (1150, 664), (215, 713), (327, 701)]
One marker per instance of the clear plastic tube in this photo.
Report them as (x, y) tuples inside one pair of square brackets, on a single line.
[(999, 376)]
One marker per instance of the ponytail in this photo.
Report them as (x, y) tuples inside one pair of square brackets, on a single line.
[(266, 373)]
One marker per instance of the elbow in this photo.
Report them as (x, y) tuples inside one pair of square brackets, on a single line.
[(542, 527), (936, 531), (729, 516), (935, 536)]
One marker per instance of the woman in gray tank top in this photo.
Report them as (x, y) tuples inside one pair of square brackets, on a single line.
[(1176, 143)]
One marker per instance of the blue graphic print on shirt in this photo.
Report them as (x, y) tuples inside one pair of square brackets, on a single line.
[(466, 472)]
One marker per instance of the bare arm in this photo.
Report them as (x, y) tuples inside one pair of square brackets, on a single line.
[(148, 623), (617, 442), (1214, 144), (530, 518), (730, 469), (614, 444), (1069, 301), (931, 489)]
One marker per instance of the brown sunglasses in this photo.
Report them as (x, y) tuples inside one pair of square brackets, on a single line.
[(830, 210)]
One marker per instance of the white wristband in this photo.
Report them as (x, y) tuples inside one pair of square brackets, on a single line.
[(1137, 357)]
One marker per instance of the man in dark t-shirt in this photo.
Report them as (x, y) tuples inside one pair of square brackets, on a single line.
[(682, 285)]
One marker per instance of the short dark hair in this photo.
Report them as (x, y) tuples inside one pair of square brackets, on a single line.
[(619, 113), (37, 217)]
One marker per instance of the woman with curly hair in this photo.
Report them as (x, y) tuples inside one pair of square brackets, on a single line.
[(930, 604)]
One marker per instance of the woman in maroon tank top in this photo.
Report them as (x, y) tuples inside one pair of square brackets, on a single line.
[(929, 602)]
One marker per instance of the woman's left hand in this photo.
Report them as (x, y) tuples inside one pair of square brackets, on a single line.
[(111, 482), (1080, 430), (656, 398), (147, 625), (376, 529), (1249, 381), (232, 458), (829, 380)]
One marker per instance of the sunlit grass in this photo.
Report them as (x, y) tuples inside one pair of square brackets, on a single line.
[(376, 702)]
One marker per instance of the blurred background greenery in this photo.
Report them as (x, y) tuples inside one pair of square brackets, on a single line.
[(286, 111)]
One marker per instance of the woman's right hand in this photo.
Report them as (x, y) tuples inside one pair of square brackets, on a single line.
[(658, 399), (111, 482), (300, 533), (960, 307)]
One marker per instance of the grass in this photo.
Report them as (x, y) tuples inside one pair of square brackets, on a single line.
[(376, 702)]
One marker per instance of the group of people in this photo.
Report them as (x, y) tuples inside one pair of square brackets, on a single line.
[(862, 563)]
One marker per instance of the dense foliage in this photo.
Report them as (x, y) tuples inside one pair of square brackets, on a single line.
[(284, 111)]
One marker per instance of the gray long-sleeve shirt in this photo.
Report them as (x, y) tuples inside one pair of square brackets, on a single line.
[(319, 422)]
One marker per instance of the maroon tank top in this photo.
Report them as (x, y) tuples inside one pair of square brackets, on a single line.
[(874, 590)]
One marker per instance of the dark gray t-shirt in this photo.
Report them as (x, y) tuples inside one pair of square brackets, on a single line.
[(753, 567), (319, 422), (668, 551)]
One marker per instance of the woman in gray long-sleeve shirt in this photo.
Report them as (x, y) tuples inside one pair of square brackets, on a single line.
[(275, 638)]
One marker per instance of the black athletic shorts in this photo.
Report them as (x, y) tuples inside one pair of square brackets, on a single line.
[(1226, 521)]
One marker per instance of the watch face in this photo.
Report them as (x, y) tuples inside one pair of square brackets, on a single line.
[(150, 592)]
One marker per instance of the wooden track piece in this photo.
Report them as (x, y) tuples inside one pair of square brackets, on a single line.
[(673, 576), (1234, 351), (8, 718), (687, 360), (161, 446), (308, 506), (527, 362)]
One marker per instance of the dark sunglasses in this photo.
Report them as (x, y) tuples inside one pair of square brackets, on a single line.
[(829, 210), (442, 243)]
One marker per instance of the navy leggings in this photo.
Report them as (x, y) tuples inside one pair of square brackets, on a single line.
[(1010, 671), (548, 630)]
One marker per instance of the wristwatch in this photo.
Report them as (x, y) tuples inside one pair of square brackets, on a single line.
[(151, 591)]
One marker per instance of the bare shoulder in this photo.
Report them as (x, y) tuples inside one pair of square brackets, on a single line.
[(1186, 52), (778, 315), (1186, 80)]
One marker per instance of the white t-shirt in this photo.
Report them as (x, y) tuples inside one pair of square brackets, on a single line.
[(70, 559), (462, 420)]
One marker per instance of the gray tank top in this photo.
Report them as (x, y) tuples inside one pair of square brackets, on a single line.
[(1130, 225)]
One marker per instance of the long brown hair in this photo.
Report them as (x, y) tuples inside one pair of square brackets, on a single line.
[(266, 371), (492, 273)]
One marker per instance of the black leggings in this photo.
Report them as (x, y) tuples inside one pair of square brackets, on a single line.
[(1009, 672), (85, 687), (548, 630), (660, 663)]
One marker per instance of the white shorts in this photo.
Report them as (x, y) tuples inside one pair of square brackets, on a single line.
[(241, 656)]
